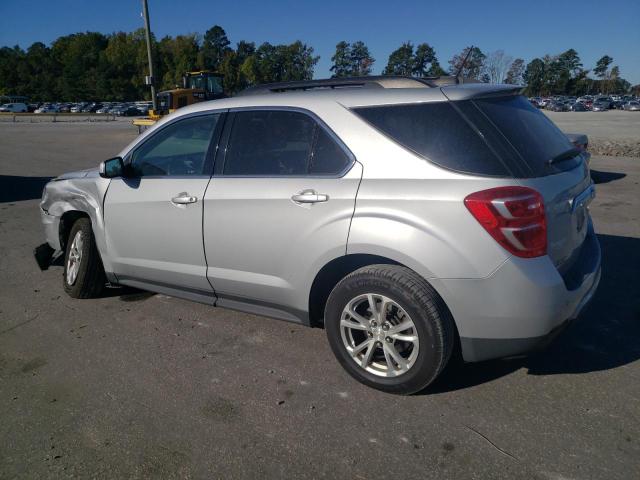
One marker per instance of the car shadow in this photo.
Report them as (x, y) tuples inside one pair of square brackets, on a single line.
[(604, 337), (606, 177), (14, 188)]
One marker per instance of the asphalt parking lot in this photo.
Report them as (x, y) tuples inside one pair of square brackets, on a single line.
[(136, 385)]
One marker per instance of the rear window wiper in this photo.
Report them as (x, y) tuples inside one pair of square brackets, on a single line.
[(566, 155)]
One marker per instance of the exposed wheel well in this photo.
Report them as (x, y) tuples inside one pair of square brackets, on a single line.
[(66, 222), (329, 276)]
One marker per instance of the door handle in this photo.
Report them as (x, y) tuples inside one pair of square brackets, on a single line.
[(183, 199), (309, 196)]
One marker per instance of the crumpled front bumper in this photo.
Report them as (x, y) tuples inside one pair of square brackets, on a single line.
[(51, 225)]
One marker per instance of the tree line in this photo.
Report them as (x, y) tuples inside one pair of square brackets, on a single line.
[(95, 66)]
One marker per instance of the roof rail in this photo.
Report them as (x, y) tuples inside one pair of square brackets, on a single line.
[(374, 81)]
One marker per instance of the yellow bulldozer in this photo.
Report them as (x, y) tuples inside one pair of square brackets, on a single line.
[(197, 87)]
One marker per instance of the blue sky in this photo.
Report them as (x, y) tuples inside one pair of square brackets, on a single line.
[(524, 29)]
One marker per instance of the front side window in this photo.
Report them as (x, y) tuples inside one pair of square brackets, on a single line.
[(178, 149)]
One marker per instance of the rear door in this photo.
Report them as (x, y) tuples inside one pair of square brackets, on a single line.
[(278, 206), (153, 218)]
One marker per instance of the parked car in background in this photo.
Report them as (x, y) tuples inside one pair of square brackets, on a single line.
[(104, 109), (604, 101), (47, 109), (92, 108), (633, 106), (578, 107), (129, 112), (382, 214), (14, 107), (600, 106), (556, 106)]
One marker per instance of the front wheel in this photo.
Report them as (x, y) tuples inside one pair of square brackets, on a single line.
[(83, 275), (389, 328)]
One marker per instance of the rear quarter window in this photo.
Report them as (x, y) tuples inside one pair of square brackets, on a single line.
[(491, 136), (529, 131), (437, 132)]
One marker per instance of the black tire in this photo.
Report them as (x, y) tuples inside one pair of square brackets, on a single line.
[(90, 279), (431, 317)]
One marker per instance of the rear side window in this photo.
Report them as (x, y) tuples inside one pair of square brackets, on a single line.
[(328, 158), (281, 143), (269, 143)]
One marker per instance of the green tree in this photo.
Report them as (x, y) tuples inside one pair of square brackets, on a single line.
[(351, 60), (360, 59), (11, 76), (425, 62), (515, 72), (401, 61), (602, 66), (279, 63), (215, 45), (341, 66), (80, 67), (473, 68), (570, 61), (176, 57), (127, 65), (534, 76)]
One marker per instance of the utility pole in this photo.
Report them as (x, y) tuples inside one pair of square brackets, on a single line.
[(147, 28)]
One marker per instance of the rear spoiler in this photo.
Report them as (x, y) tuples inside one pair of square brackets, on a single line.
[(479, 90)]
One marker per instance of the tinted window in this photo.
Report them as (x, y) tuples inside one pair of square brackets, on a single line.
[(529, 131), (438, 132), (269, 143), (328, 158), (178, 149)]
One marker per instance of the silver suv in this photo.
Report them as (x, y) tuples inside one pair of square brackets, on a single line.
[(407, 217)]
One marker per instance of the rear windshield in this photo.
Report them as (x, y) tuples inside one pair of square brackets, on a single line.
[(495, 136)]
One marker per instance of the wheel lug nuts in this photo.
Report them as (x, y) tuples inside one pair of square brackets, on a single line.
[(389, 339), (369, 334), (374, 324), (385, 326)]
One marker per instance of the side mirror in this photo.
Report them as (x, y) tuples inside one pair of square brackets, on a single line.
[(114, 167)]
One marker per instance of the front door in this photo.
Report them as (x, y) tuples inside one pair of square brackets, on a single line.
[(153, 217)]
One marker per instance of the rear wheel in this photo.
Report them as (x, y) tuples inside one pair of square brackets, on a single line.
[(83, 275), (389, 329)]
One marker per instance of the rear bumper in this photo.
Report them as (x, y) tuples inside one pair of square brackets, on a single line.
[(520, 307)]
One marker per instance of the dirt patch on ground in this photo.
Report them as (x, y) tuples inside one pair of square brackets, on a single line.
[(614, 148)]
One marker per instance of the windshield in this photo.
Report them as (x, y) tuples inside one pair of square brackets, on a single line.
[(210, 84)]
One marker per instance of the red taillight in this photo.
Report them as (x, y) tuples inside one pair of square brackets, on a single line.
[(514, 217)]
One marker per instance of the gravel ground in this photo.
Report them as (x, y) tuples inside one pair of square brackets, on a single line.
[(611, 133), (136, 385)]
